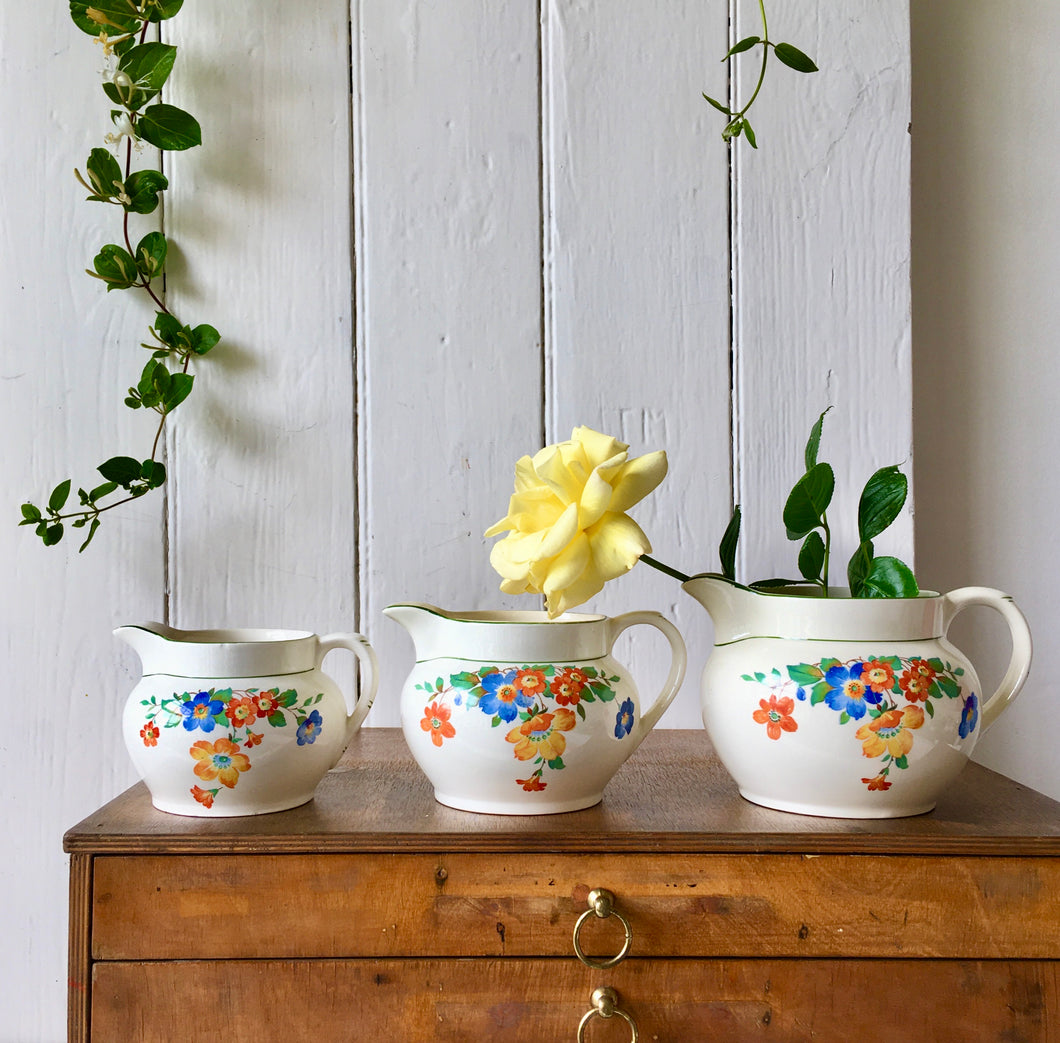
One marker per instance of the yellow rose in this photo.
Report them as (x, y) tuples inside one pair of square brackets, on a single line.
[(568, 532)]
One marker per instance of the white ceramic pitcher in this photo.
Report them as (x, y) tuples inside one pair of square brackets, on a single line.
[(239, 722), (514, 713), (844, 706)]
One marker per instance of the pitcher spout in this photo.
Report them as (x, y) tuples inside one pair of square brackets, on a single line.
[(729, 604), (143, 638)]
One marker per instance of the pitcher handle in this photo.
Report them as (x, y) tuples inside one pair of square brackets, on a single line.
[(678, 659), (356, 709), (1020, 662)]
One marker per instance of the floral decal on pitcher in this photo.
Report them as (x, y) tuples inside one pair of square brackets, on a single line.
[(540, 703), (892, 696), (236, 714)]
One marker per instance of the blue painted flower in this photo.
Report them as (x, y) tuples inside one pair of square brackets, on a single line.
[(309, 729), (969, 716), (199, 712), (503, 697), (624, 720), (847, 692)]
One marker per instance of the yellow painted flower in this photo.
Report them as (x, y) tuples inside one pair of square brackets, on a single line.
[(568, 531), (891, 732), (542, 735)]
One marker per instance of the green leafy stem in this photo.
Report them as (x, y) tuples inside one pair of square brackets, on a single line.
[(786, 53), (806, 518), (137, 72)]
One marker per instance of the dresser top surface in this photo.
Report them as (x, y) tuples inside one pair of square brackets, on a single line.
[(671, 796)]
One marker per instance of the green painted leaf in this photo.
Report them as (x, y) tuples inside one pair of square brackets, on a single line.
[(169, 128), (929, 707), (819, 693), (727, 548), (556, 763), (277, 720), (881, 502), (808, 501), (805, 673), (793, 58), (901, 762)]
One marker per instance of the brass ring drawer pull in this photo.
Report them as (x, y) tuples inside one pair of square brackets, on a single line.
[(602, 905), (605, 1005)]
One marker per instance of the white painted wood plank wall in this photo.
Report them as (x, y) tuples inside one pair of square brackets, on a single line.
[(433, 236)]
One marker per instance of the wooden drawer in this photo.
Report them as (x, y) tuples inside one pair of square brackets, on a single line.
[(371, 905), (680, 1001)]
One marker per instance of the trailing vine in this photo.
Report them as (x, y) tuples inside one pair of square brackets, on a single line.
[(136, 70), (790, 55)]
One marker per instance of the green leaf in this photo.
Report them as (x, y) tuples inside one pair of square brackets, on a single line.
[(104, 174), (148, 65), (123, 470), (733, 130), (91, 532), (718, 105), (805, 674), (111, 15), (793, 58), (30, 514), (744, 45), (881, 501), (858, 567), (151, 255), (808, 501), (142, 188), (889, 578), (165, 9), (153, 473), (115, 266), (727, 549), (60, 494), (179, 389), (52, 534), (811, 557), (813, 444), (102, 490), (203, 338), (169, 128), (749, 133)]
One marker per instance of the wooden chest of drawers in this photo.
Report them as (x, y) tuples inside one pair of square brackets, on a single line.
[(375, 910)]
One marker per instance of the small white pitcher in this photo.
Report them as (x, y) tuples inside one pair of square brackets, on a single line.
[(514, 713), (239, 722)]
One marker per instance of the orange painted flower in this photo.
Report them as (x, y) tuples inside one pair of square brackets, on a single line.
[(877, 675), (219, 760), (204, 796), (891, 732), (241, 711), (915, 686), (532, 784), (253, 739), (149, 733), (542, 735), (531, 682), (775, 714), (567, 686), (266, 703), (436, 721), (923, 667), (879, 782)]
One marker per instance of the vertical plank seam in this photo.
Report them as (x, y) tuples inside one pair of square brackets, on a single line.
[(735, 433), (547, 236), (358, 261)]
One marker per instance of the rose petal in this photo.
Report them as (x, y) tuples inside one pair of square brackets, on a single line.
[(617, 543), (638, 478), (598, 447)]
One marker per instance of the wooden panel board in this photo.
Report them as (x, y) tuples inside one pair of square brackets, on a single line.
[(449, 276), (515, 1000), (637, 286), (821, 271), (470, 905), (261, 520)]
